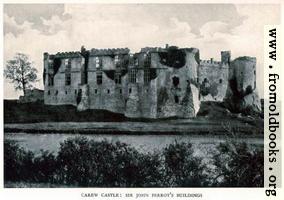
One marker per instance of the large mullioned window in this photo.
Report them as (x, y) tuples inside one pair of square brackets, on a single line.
[(147, 76), (132, 75)]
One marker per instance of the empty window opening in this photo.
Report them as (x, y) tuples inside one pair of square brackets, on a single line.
[(66, 92), (67, 78), (75, 91), (50, 80), (116, 59), (67, 71), (147, 76), (120, 91), (205, 80), (136, 62), (96, 91), (175, 81), (99, 78), (108, 91), (130, 90), (220, 80), (117, 78), (56, 92), (98, 61), (176, 99), (48, 92)]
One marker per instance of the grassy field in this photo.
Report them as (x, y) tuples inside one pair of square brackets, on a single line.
[(39, 118)]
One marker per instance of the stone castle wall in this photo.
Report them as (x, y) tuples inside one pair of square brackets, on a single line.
[(213, 80), (154, 83)]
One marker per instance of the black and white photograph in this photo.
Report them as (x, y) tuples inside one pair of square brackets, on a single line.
[(134, 95)]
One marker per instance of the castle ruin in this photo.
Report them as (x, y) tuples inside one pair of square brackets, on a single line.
[(153, 83)]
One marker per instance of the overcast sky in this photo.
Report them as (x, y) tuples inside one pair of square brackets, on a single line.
[(34, 29)]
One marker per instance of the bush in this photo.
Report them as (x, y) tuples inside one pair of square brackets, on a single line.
[(22, 165), (45, 166), (238, 166), (182, 169), (18, 163), (85, 162)]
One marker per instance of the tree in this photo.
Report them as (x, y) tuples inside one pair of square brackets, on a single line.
[(21, 72)]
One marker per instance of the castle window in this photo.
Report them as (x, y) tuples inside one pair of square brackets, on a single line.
[(132, 75), (48, 92), (254, 72), (176, 99), (130, 90), (147, 60), (99, 78), (175, 81), (117, 78), (75, 91), (108, 91), (96, 91), (67, 78), (56, 92), (116, 59), (98, 62), (120, 91), (136, 62), (205, 80), (147, 76), (220, 80), (68, 72), (50, 80), (197, 80), (66, 92), (66, 62)]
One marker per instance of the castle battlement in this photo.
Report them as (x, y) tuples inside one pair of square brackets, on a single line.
[(103, 52), (210, 62), (70, 54)]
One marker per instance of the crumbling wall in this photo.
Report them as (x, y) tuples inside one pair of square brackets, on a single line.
[(59, 93), (213, 80), (242, 95), (108, 95), (175, 98)]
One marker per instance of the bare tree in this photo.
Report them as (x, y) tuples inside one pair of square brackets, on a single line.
[(21, 72)]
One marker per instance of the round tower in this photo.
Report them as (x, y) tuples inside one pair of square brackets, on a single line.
[(245, 73)]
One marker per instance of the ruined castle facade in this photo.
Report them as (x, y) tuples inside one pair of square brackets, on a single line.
[(153, 83)]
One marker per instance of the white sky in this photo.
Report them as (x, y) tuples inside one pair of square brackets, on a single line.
[(211, 28)]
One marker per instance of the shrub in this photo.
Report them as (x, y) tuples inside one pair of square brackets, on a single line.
[(182, 169), (18, 163), (45, 166), (22, 165), (238, 166), (85, 162), (88, 163)]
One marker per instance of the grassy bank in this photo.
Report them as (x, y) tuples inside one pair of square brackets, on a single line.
[(39, 118)]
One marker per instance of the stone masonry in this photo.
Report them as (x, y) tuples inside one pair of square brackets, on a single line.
[(153, 83)]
